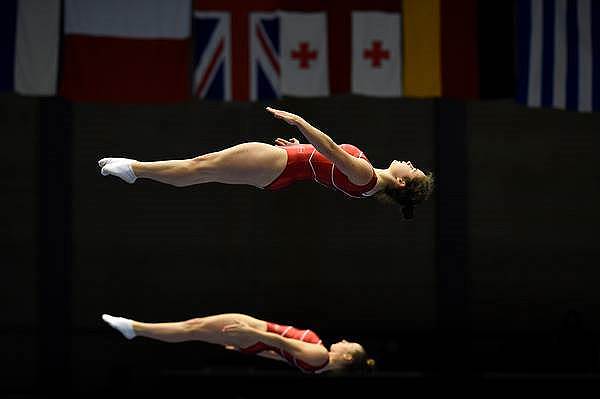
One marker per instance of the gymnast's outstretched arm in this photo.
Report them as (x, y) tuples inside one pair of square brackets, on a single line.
[(358, 170), (310, 353), (269, 354)]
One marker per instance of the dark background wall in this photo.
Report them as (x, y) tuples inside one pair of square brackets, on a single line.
[(18, 285), (533, 218), (306, 255)]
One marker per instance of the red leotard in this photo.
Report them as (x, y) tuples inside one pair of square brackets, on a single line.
[(306, 163), (288, 332)]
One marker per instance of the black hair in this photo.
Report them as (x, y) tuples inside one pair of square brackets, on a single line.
[(361, 364), (413, 193)]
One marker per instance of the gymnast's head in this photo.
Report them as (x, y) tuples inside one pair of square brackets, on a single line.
[(406, 186), (349, 357)]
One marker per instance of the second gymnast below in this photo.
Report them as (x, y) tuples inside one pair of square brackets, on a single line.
[(340, 167), (300, 348)]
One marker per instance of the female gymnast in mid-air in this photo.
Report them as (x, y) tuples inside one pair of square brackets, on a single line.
[(343, 167), (300, 348)]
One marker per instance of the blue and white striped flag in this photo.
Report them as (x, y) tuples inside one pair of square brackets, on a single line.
[(559, 54)]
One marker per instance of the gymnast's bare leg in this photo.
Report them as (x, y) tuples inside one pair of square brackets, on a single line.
[(207, 329), (256, 164)]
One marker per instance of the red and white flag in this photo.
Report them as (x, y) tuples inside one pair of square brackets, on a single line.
[(304, 70), (127, 51), (376, 54)]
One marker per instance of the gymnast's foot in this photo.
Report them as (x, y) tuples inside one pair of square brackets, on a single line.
[(125, 326), (120, 167)]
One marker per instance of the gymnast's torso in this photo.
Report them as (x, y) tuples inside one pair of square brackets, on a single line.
[(292, 333), (304, 162)]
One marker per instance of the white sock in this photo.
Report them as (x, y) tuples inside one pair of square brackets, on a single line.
[(125, 326), (120, 167)]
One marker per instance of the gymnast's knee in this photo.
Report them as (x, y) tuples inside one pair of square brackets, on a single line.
[(194, 326), (192, 171), (202, 164)]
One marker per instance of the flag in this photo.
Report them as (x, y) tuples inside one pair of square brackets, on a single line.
[(422, 48), (261, 66), (126, 51), (376, 60), (495, 50), (440, 47), (558, 54), (265, 63), (304, 56), (212, 55), (29, 46), (459, 55)]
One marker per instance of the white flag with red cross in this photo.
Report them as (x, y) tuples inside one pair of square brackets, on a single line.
[(376, 54), (304, 70)]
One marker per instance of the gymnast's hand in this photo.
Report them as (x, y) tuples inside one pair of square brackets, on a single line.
[(237, 328), (283, 142), (288, 117)]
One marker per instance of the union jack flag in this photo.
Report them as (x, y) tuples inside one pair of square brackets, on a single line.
[(265, 66), (212, 55)]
